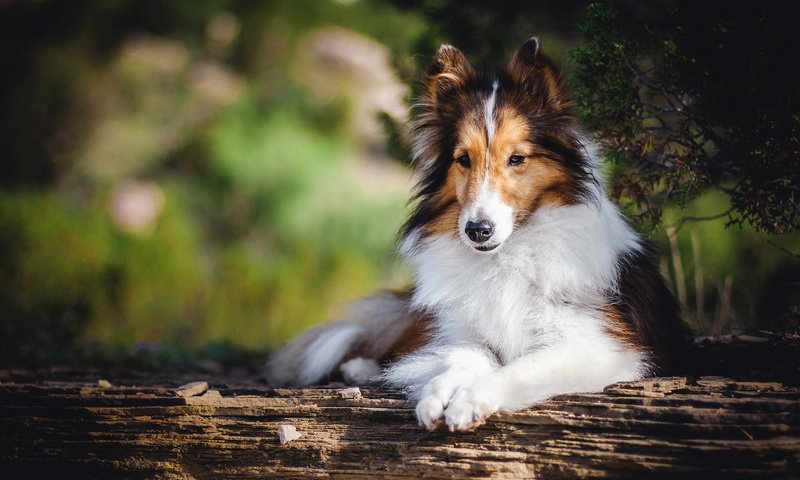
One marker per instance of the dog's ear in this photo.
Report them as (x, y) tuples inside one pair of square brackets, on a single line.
[(449, 71), (538, 75)]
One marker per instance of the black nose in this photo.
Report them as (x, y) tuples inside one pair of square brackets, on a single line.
[(479, 231)]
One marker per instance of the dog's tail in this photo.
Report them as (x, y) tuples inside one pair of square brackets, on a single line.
[(377, 330)]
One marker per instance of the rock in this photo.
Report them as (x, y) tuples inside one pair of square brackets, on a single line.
[(103, 383), (287, 433), (353, 393), (212, 394), (192, 389)]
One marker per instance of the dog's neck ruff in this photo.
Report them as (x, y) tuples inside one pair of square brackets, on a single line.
[(566, 255)]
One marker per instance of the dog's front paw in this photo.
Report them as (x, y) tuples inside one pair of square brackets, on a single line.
[(430, 410), (435, 396), (470, 406)]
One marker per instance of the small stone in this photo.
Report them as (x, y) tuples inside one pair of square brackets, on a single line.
[(212, 394), (287, 433), (103, 383), (353, 393), (192, 389)]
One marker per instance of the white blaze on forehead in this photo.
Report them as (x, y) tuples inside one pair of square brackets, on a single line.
[(488, 113)]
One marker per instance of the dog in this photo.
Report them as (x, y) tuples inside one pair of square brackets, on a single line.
[(529, 281)]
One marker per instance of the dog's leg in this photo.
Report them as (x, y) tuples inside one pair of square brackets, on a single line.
[(432, 376), (579, 365)]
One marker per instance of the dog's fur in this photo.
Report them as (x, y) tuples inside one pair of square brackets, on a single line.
[(529, 282)]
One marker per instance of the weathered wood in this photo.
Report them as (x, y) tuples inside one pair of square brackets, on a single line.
[(129, 428)]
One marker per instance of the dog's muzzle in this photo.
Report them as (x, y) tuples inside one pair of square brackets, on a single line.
[(479, 234)]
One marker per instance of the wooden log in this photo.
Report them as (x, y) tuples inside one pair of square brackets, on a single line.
[(140, 428)]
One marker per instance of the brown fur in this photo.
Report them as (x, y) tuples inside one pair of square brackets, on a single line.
[(400, 338), (449, 71), (413, 337), (533, 117), (618, 327), (645, 313), (537, 182)]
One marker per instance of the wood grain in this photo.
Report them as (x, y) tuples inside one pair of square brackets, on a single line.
[(140, 428)]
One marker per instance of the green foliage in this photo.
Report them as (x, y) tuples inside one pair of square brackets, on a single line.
[(157, 286), (267, 226), (292, 225), (615, 99), (746, 283), (689, 96), (53, 260), (695, 104)]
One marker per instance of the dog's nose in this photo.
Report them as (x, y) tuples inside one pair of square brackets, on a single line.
[(479, 231)]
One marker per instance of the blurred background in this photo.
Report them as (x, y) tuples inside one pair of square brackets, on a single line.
[(198, 181)]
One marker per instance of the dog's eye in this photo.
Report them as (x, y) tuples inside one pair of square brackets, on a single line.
[(464, 161), (515, 160)]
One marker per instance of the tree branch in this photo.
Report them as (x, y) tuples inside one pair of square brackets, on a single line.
[(676, 227), (784, 249)]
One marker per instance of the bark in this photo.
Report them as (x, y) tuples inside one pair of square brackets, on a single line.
[(149, 427)]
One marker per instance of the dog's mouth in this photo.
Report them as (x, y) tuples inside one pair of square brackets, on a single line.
[(486, 248)]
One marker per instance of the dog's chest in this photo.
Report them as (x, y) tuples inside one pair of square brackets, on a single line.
[(484, 300)]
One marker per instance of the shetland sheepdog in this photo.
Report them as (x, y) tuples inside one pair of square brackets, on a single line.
[(529, 281)]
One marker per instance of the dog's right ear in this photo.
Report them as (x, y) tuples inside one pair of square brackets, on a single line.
[(449, 71), (538, 75)]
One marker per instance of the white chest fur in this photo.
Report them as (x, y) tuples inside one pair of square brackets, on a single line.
[(543, 284)]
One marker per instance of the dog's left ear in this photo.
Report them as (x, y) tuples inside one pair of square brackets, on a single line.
[(538, 74), (448, 73)]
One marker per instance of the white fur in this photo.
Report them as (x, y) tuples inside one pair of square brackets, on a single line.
[(520, 324), (488, 113), (359, 370), (312, 357), (325, 351), (488, 205), (432, 375)]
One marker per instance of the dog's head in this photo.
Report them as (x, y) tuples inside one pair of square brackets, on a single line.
[(492, 150)]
